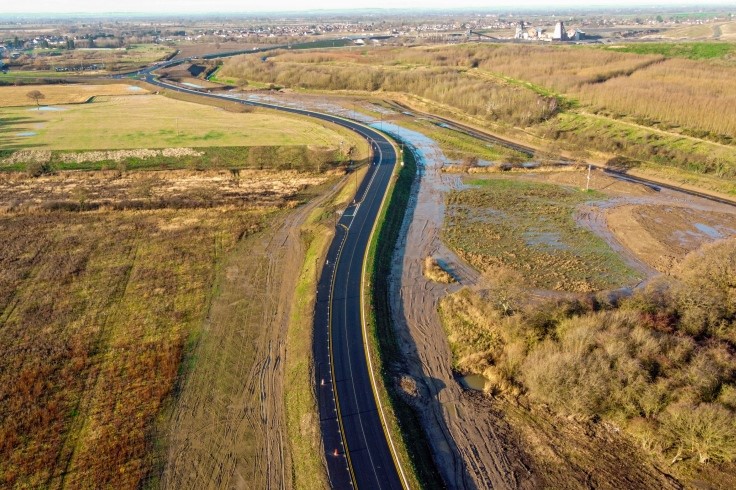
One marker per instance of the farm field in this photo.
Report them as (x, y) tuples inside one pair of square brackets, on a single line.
[(154, 121), (108, 59), (14, 96), (99, 308)]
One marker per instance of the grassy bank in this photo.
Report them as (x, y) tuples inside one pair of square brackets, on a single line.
[(689, 50), (403, 423)]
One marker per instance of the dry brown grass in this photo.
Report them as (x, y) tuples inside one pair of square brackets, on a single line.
[(705, 95), (97, 308), (487, 99), (152, 190), (648, 109), (12, 96)]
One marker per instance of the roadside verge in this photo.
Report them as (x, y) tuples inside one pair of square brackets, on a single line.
[(401, 424)]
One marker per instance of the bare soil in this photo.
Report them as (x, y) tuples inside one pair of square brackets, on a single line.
[(660, 234), (469, 449)]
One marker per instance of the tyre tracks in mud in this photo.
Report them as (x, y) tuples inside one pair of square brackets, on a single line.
[(228, 429), (469, 441)]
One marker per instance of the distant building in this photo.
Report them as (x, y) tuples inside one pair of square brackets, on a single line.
[(560, 34), (519, 34), (575, 35)]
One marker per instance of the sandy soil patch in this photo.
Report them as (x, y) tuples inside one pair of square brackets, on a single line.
[(660, 235)]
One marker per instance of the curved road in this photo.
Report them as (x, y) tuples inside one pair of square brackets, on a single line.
[(357, 450)]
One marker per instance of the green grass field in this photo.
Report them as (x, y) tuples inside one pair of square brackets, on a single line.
[(153, 121), (693, 51)]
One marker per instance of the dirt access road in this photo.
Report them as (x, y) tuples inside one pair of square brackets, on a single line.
[(228, 429)]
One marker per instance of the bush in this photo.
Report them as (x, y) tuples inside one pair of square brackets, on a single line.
[(37, 169), (660, 364)]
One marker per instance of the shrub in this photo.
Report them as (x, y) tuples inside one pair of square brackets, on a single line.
[(660, 364), (37, 169)]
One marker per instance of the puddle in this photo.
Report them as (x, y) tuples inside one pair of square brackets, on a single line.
[(27, 133), (476, 382), (133, 88), (708, 230), (544, 239), (47, 108)]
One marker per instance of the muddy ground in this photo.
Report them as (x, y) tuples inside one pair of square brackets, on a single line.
[(652, 228)]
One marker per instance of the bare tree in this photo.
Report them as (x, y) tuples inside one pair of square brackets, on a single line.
[(36, 96)]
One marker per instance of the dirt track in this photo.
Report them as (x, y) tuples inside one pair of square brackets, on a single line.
[(228, 430)]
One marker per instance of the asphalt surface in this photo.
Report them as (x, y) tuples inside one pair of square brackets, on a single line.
[(357, 451)]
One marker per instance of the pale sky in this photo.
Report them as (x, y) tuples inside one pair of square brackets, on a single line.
[(245, 6)]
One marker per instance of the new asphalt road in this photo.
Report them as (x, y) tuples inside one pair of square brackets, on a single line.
[(358, 450)]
